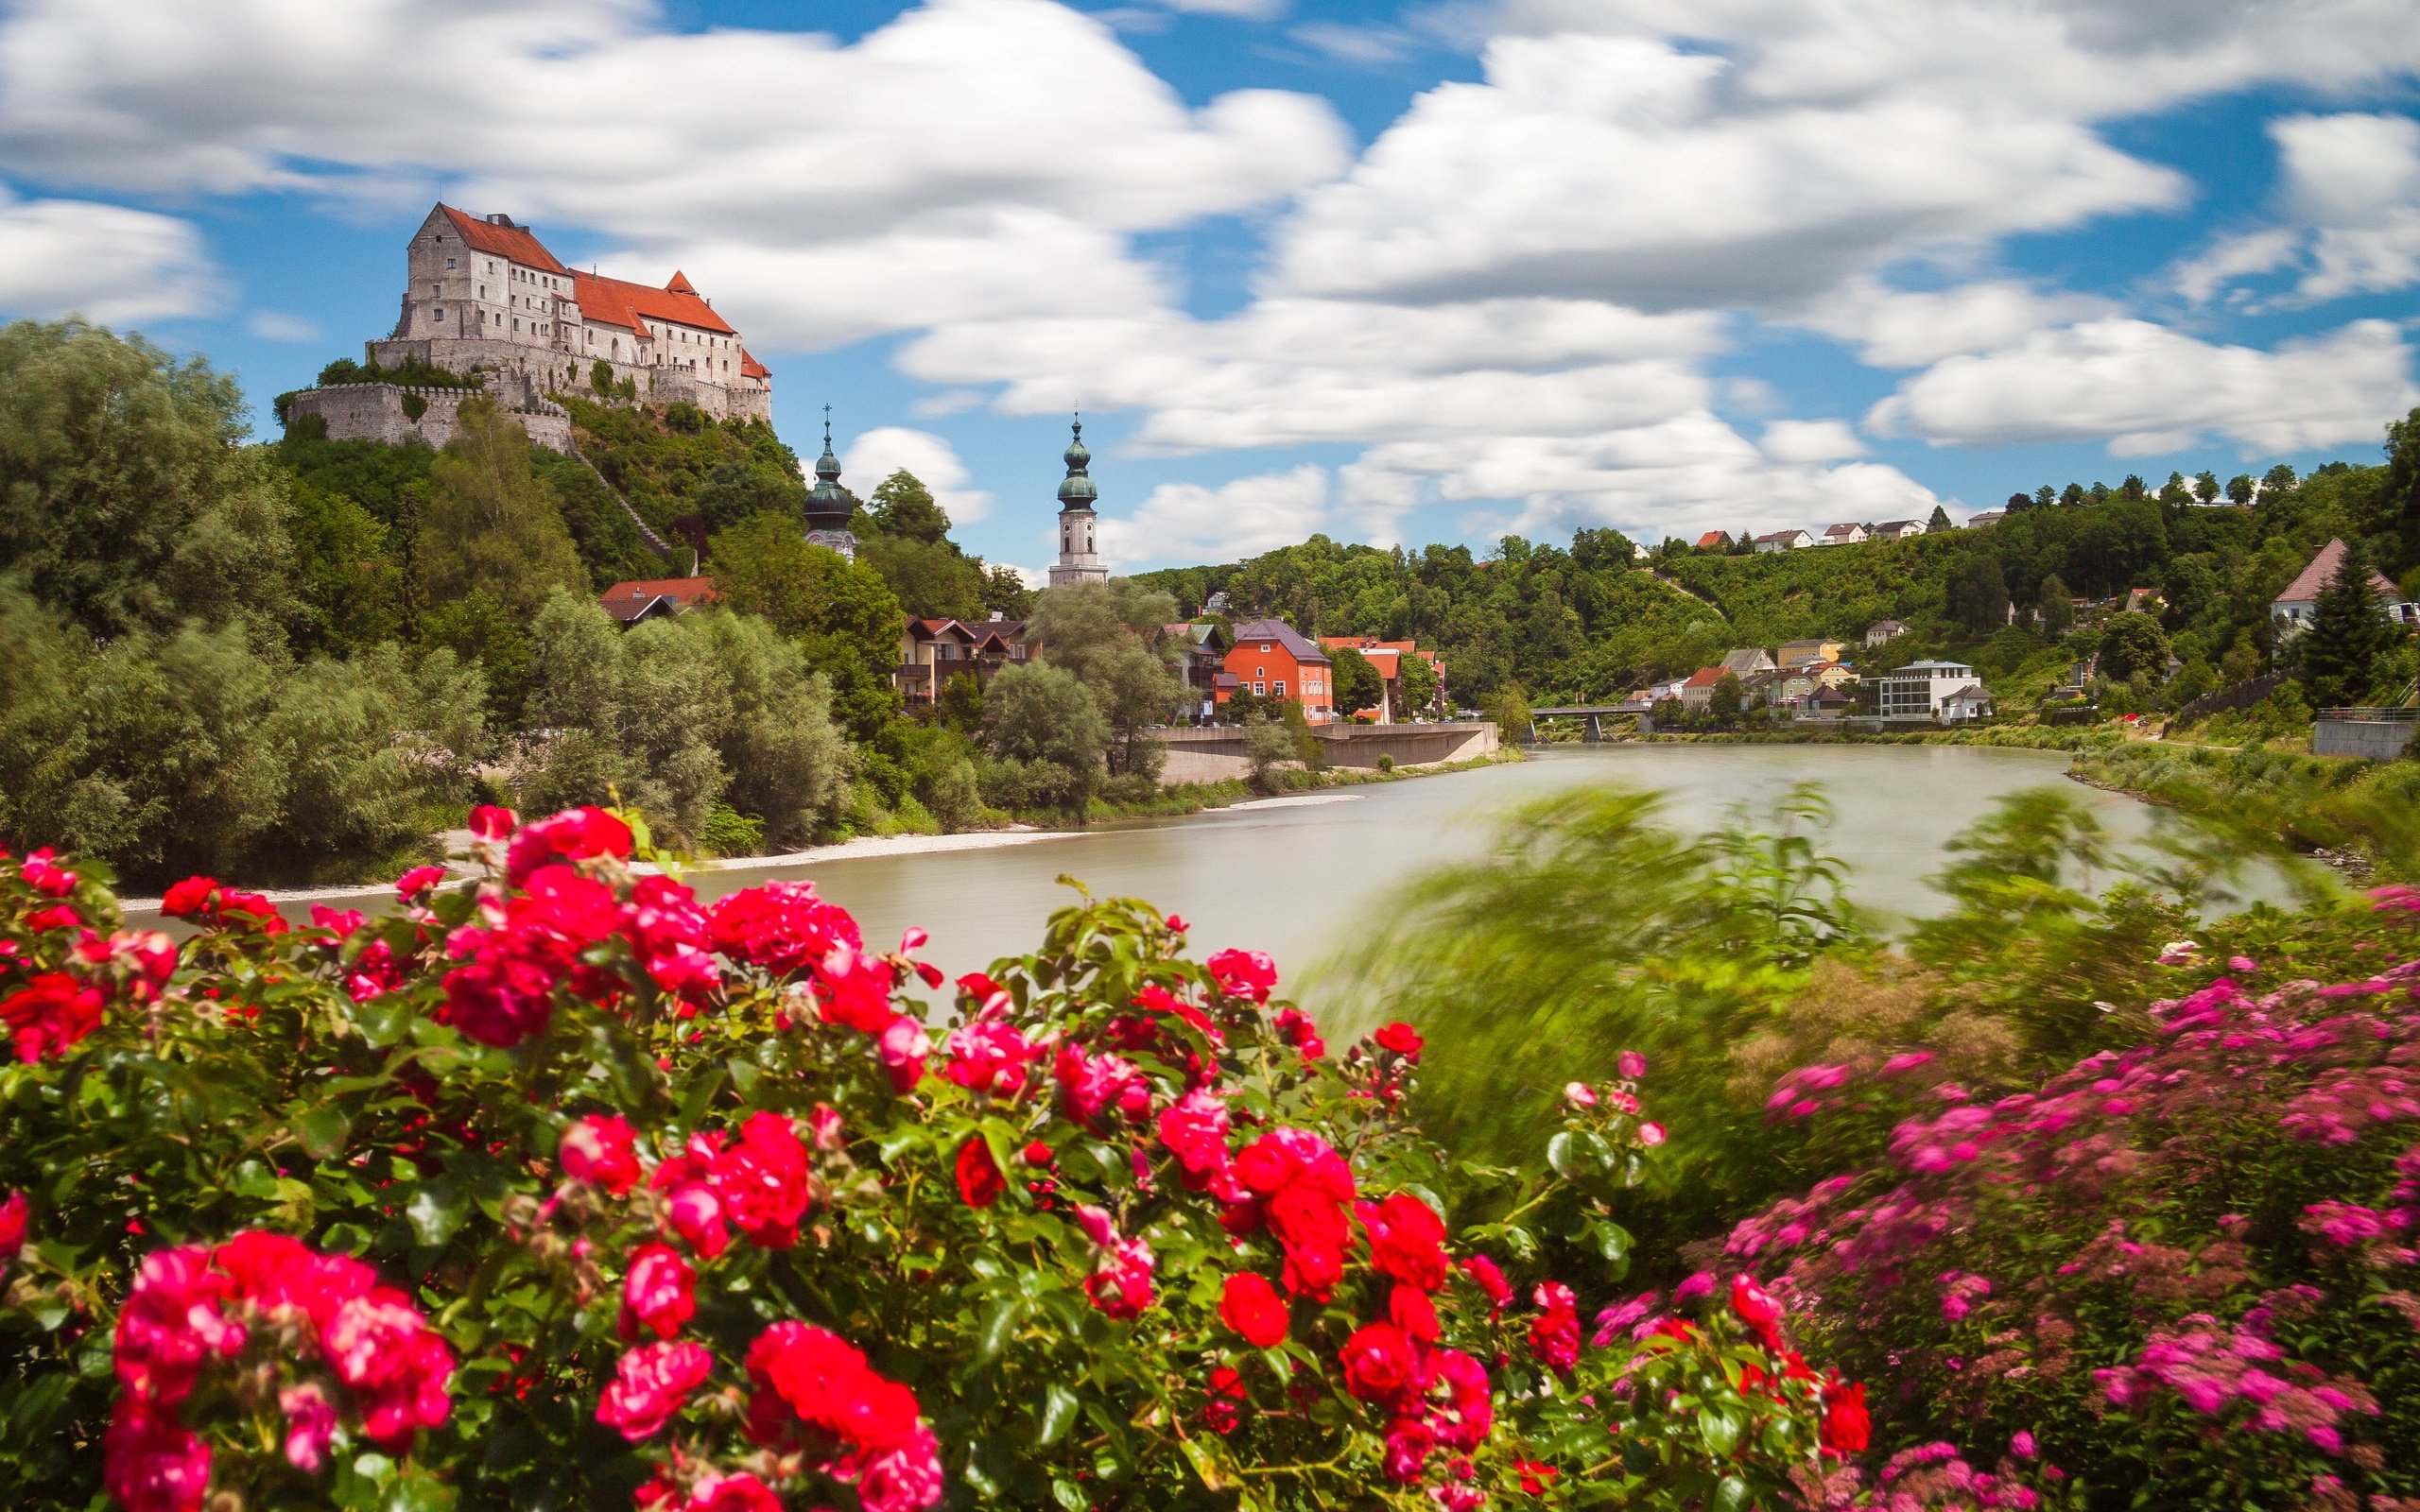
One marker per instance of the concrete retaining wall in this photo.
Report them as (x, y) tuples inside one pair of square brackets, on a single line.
[(374, 412), (1219, 753), (2379, 740)]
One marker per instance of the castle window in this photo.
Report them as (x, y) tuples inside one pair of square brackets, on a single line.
[(439, 315), (449, 265), (436, 289)]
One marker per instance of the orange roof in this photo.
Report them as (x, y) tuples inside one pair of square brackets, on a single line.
[(687, 589), (1714, 537), (1704, 678), (751, 368), (618, 302), (519, 243)]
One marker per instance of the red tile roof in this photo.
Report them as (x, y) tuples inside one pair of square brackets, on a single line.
[(2306, 588), (1706, 676), (1713, 538), (628, 600), (751, 368), (627, 301), (519, 243)]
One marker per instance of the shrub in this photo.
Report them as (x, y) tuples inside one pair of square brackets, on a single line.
[(729, 832), (557, 1188), (1385, 763), (2182, 1271)]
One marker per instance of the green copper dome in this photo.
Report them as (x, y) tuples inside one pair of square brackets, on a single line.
[(1076, 491), (828, 505)]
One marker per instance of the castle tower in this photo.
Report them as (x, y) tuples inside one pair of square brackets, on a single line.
[(829, 506), (1078, 562)]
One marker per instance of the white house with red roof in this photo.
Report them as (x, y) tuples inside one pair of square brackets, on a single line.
[(481, 291), (2293, 608)]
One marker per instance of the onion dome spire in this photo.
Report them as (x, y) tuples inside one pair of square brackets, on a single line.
[(1076, 491), (828, 505)]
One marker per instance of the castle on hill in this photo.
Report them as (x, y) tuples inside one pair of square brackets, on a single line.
[(483, 292)]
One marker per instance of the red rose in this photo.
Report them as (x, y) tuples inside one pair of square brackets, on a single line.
[(12, 1227), (602, 1151), (1757, 1309), (1845, 1428), (416, 881), (1244, 973), (49, 1013), (650, 1385), (1488, 1278), (575, 834), (1400, 1038), (1404, 1236), (1380, 1362), (1221, 1413), (762, 1179), (1252, 1307), (733, 1493), (978, 1174), (659, 1293), (1410, 1309), (1554, 1335), (190, 898), (489, 821)]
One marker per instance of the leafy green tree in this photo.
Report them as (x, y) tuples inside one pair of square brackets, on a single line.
[(1417, 685), (1004, 593), (1978, 594), (1724, 702), (960, 703), (2241, 488), (2348, 632), (490, 524), (2056, 606), (1110, 636), (600, 378), (1047, 737), (2132, 644), (904, 508), (2403, 481), (1940, 524), (843, 614), (1270, 747), (932, 579), (1358, 683), (477, 630), (742, 484), (2206, 486), (350, 589)]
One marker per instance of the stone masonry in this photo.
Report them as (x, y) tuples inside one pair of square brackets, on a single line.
[(377, 412)]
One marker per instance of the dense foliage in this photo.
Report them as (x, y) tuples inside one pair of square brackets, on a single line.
[(554, 1187)]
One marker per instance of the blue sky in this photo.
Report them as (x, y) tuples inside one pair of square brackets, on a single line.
[(1396, 271)]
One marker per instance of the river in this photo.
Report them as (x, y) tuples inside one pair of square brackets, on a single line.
[(1294, 876)]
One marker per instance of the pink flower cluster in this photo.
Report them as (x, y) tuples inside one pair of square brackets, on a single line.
[(2209, 1367), (193, 1308), (816, 1395)]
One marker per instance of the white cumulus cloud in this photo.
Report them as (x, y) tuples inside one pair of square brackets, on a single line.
[(105, 262), (2351, 199), (887, 449), (1188, 522), (2145, 389)]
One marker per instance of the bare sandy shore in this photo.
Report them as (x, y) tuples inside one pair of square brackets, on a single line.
[(865, 846), (1298, 800)]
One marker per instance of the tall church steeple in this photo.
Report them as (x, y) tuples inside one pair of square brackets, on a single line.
[(829, 506), (1079, 559)]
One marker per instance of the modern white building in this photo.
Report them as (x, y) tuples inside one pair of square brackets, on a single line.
[(1784, 541), (1918, 690)]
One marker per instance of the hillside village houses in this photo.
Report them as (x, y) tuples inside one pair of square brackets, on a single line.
[(1386, 656), (1847, 533), (1792, 540), (2294, 605), (1811, 680)]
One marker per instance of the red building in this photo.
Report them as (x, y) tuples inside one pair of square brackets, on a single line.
[(1276, 660), (1387, 657)]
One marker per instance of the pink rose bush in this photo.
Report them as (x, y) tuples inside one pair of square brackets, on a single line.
[(563, 1185), (2192, 1264)]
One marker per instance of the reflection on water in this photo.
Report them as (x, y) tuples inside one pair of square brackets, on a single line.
[(1290, 879)]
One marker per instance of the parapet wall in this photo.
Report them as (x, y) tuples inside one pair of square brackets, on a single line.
[(2378, 734), (542, 370), (376, 412), (1218, 752)]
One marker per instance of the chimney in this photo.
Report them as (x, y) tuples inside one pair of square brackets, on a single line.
[(693, 562), (996, 615)]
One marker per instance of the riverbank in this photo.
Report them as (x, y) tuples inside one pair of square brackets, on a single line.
[(1195, 797), (2009, 737), (2361, 817)]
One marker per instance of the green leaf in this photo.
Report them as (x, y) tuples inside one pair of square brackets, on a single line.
[(997, 1325), (1613, 1240), (1730, 1496), (436, 1210), (1057, 1410), (1069, 1495), (1563, 1153), (1720, 1429), (323, 1130)]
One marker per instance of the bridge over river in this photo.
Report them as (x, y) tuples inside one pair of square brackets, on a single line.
[(1595, 714)]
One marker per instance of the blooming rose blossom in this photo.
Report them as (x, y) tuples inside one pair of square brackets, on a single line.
[(988, 1055), (573, 835), (763, 1180), (1651, 1134), (1757, 1309), (602, 1150), (815, 1375), (310, 1426), (903, 1046), (1244, 973), (1222, 1411), (659, 1292), (650, 1383), (1488, 1278), (1194, 1129), (12, 1227), (1252, 1307), (1554, 1334), (50, 1012), (1299, 1187), (1295, 1027), (780, 927), (1410, 1309), (1845, 1428), (733, 1493), (152, 1462), (1400, 1038), (416, 881), (1406, 1236), (980, 1181), (1381, 1364), (43, 875), (1632, 1064)]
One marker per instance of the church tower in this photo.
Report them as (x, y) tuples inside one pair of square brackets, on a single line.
[(829, 508), (1078, 562)]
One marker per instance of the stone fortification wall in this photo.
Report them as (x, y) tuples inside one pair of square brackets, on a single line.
[(538, 369), (376, 412), (1218, 753)]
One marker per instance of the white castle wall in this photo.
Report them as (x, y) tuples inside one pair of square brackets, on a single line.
[(375, 412)]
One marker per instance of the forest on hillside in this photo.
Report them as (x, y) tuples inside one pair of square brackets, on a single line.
[(1593, 620)]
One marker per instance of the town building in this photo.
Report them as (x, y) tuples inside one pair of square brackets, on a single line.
[(1918, 690), (1987, 517), (482, 292), (1898, 529), (1968, 704), (1697, 691), (830, 508), (1276, 660), (933, 651), (1714, 540), (1843, 534), (2294, 607), (1882, 632), (652, 598), (1798, 653), (1831, 674), (1744, 662), (1079, 551), (1824, 703), (1201, 647), (1387, 657), (1784, 541)]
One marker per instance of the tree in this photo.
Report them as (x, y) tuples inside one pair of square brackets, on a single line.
[(1418, 683), (2071, 496), (600, 377), (2348, 632), (742, 484), (1269, 745), (2044, 496), (490, 524), (2403, 479), (1976, 595), (1110, 637), (1047, 736), (2206, 486), (2241, 488), (2132, 644), (350, 591), (931, 579), (1939, 524), (2056, 606), (1005, 593), (904, 508), (1358, 683), (1725, 703), (2278, 479), (841, 613)]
